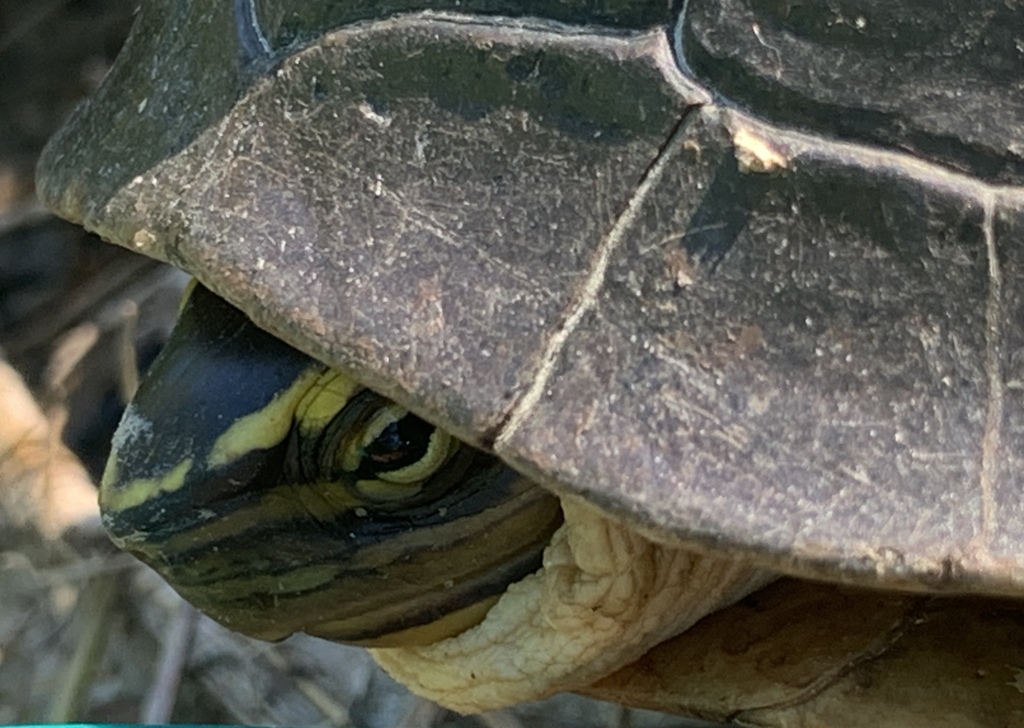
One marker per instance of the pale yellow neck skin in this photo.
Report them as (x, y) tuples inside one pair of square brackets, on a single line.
[(605, 596)]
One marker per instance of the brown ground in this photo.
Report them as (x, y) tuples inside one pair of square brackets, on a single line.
[(85, 633)]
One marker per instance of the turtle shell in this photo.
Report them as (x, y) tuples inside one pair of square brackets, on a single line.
[(749, 274)]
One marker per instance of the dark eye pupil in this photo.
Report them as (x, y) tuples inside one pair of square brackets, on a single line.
[(400, 444), (388, 446)]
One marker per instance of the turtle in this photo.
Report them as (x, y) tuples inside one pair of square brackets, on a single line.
[(665, 352)]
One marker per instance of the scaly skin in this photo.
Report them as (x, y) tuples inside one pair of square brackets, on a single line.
[(605, 596)]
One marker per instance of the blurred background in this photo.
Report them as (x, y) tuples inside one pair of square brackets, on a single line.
[(86, 634)]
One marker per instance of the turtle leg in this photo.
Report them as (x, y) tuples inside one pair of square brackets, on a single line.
[(605, 595)]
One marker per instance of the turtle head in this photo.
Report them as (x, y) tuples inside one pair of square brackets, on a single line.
[(279, 495)]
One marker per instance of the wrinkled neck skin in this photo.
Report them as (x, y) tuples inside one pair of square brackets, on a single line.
[(605, 595)]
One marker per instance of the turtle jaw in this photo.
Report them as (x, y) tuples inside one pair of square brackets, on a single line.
[(216, 481)]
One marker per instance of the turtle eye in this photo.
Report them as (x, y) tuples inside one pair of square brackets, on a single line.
[(404, 449), (380, 450)]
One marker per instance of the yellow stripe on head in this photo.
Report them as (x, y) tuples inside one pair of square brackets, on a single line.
[(142, 489), (266, 427)]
